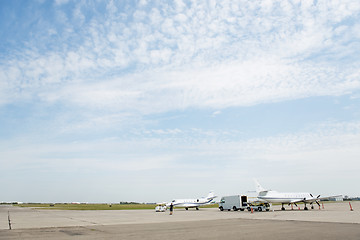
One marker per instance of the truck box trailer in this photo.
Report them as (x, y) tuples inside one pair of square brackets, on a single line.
[(235, 202)]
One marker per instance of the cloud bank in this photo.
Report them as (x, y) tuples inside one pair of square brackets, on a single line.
[(178, 94)]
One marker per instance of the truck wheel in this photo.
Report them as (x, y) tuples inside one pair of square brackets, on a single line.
[(249, 209), (242, 209), (235, 209), (259, 209), (221, 208)]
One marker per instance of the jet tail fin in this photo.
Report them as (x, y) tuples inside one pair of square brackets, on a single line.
[(211, 195), (259, 188)]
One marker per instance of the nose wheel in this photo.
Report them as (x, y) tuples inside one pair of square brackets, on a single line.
[(305, 208), (282, 207)]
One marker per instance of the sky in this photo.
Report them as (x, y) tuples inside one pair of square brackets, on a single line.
[(109, 101)]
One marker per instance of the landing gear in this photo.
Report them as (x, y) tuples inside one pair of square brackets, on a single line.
[(186, 209), (197, 208), (305, 208), (282, 207)]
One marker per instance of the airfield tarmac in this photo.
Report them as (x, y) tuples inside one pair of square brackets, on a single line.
[(335, 221)]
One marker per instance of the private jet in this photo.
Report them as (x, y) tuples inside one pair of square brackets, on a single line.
[(193, 203)]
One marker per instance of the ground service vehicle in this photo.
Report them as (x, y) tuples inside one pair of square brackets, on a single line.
[(160, 208), (235, 202), (258, 207)]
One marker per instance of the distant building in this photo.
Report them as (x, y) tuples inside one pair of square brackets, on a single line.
[(338, 198), (347, 198)]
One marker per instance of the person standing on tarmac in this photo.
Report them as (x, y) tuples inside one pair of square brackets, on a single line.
[(171, 209)]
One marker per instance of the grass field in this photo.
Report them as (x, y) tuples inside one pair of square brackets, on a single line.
[(62, 206)]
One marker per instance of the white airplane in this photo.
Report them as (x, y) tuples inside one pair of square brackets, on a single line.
[(269, 196), (193, 203)]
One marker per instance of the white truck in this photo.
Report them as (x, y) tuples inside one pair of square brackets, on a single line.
[(235, 202)]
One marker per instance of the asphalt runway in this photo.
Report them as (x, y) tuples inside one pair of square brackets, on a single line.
[(335, 221)]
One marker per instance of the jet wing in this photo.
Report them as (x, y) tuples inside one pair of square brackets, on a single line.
[(311, 200), (297, 201), (327, 198)]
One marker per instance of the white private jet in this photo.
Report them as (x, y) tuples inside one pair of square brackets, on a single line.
[(269, 196), (193, 203)]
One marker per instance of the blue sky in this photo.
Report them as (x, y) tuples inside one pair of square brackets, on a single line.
[(153, 100)]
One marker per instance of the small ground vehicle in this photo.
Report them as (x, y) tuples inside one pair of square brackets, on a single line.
[(258, 207), (235, 202), (160, 208)]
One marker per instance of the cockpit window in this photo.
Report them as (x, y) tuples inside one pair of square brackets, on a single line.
[(263, 193)]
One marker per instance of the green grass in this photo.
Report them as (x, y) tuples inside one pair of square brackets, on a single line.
[(62, 206), (215, 205)]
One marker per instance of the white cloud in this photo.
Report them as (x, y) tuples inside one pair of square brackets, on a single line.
[(61, 2), (226, 85), (214, 114), (118, 67), (78, 15), (329, 145), (325, 143), (183, 41)]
